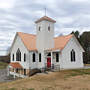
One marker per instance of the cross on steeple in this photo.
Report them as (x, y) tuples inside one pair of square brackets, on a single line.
[(45, 11)]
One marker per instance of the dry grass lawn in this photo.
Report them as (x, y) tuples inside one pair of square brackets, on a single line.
[(3, 65), (63, 80)]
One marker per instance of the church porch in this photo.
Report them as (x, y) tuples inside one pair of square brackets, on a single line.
[(52, 60)]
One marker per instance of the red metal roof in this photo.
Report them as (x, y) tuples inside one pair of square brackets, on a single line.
[(45, 18), (15, 65), (29, 41)]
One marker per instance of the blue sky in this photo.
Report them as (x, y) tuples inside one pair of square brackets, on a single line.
[(19, 16)]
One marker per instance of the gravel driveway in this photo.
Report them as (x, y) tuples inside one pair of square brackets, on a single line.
[(3, 76)]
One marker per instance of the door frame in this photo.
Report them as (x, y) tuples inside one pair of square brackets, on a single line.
[(48, 62)]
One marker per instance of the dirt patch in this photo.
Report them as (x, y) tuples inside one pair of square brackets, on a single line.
[(51, 81)]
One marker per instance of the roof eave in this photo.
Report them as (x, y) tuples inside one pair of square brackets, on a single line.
[(56, 50), (45, 20)]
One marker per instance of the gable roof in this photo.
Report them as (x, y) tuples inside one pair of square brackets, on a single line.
[(45, 18), (29, 41), (61, 41)]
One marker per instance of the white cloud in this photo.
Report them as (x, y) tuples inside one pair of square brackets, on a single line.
[(80, 0), (5, 4), (19, 16), (65, 20), (66, 31)]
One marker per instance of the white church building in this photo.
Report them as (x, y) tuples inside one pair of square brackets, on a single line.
[(43, 50)]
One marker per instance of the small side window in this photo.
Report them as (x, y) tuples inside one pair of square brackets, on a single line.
[(39, 28), (39, 57), (13, 57), (24, 57), (48, 28), (57, 57), (33, 57)]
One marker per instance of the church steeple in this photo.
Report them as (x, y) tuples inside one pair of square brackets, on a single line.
[(45, 33)]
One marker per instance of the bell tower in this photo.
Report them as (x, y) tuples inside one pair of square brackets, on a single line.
[(45, 33)]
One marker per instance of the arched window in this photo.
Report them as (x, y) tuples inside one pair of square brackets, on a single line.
[(18, 55), (49, 54), (72, 56)]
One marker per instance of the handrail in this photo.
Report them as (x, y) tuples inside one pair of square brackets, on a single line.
[(52, 67)]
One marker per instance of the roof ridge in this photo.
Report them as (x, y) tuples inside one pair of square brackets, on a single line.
[(60, 41), (27, 33), (45, 18)]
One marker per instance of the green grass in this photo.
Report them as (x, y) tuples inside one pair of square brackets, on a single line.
[(31, 89), (12, 89), (3, 65), (17, 89), (79, 72)]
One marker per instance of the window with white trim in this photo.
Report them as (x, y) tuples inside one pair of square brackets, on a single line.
[(34, 57), (24, 57), (57, 57), (39, 57), (48, 28), (18, 55), (73, 56), (39, 28), (13, 57)]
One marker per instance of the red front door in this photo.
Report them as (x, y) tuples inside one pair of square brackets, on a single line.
[(48, 62)]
